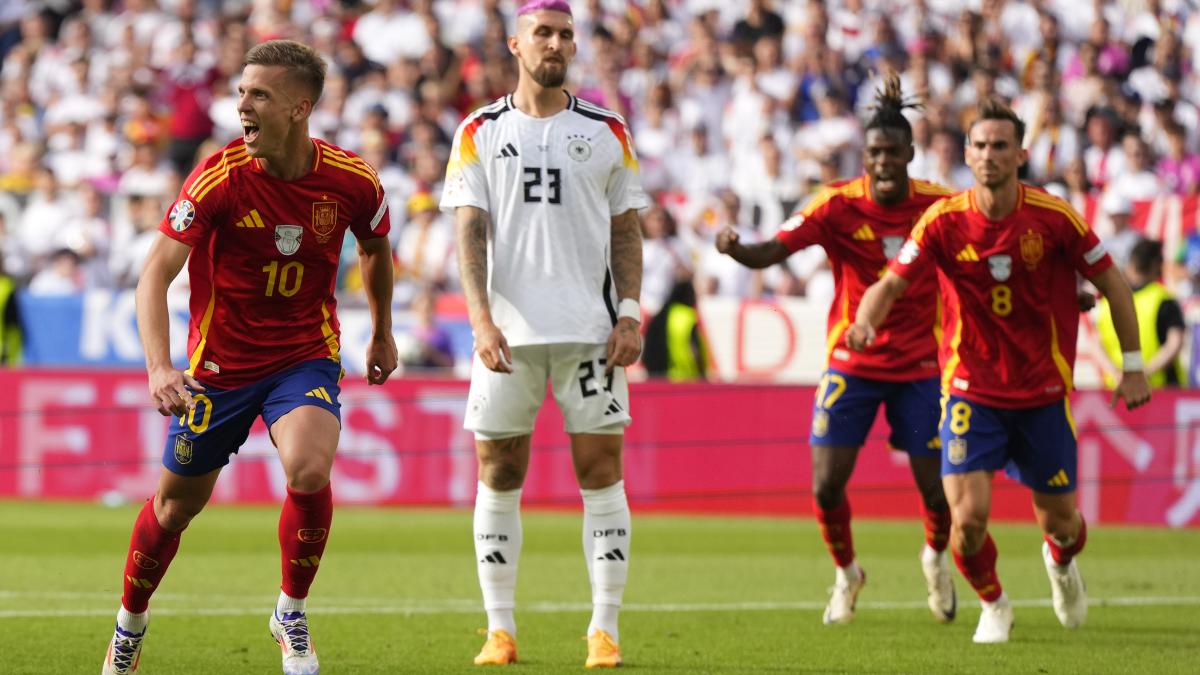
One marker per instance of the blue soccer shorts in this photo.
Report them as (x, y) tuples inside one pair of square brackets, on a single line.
[(845, 406), (204, 438), (1035, 446)]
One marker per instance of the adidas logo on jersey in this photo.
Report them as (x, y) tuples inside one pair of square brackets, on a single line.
[(507, 151), (494, 557), (864, 233), (968, 254), (251, 220)]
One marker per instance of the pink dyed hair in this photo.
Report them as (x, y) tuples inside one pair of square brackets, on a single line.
[(539, 5)]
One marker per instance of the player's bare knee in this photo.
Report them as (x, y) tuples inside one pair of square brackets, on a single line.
[(969, 531), (829, 494), (501, 475), (597, 475), (308, 479), (935, 499), (175, 514)]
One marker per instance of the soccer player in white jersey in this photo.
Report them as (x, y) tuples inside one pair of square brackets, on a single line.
[(545, 194)]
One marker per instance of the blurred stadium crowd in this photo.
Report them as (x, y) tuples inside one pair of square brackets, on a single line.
[(739, 110)]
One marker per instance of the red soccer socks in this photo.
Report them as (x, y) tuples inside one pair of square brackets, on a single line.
[(1063, 553), (980, 570), (937, 528), (151, 549), (303, 530), (835, 530)]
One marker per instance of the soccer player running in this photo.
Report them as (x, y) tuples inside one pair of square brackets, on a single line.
[(861, 223), (1007, 256), (545, 191), (260, 225)]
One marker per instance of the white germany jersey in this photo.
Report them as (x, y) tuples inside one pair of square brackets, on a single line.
[(551, 186)]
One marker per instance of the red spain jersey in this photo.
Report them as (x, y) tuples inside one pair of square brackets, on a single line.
[(1011, 313), (860, 237), (264, 258)]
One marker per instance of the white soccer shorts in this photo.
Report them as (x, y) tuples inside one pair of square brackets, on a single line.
[(506, 404)]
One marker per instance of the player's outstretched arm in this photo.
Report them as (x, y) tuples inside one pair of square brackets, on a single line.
[(756, 256), (873, 309), (375, 262), (168, 387), (1132, 386), (471, 224), (625, 341)]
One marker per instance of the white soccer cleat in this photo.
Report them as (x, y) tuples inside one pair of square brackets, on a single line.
[(1068, 590), (299, 654), (943, 600), (124, 653), (844, 595), (995, 622)]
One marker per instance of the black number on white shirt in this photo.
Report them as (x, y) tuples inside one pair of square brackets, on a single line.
[(533, 179)]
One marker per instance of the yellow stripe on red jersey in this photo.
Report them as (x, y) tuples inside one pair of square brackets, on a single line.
[(264, 258), (1009, 289), (860, 237)]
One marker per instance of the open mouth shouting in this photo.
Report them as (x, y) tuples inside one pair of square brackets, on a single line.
[(249, 131)]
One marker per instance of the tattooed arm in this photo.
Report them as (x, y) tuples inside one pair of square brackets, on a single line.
[(472, 224), (625, 342)]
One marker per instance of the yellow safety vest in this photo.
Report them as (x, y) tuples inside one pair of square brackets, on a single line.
[(10, 336), (1146, 300), (682, 364)]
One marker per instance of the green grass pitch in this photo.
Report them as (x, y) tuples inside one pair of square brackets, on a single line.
[(397, 594)]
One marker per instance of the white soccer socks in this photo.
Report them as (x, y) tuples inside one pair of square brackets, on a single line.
[(606, 532), (497, 550), (132, 623), (286, 604)]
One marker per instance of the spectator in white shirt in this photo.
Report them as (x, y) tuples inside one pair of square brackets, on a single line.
[(1103, 159), (1137, 182), (1051, 143), (1120, 237)]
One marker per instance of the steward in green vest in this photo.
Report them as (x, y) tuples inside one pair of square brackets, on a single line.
[(1160, 320)]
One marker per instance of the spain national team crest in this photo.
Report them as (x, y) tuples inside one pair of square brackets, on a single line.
[(1031, 248), (183, 450), (820, 425), (287, 238), (956, 451), (324, 220), (1000, 266)]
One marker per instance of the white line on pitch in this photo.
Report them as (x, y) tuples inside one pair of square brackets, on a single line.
[(457, 606)]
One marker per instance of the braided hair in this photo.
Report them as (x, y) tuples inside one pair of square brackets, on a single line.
[(890, 103)]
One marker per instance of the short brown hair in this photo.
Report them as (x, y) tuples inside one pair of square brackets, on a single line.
[(304, 64), (992, 108)]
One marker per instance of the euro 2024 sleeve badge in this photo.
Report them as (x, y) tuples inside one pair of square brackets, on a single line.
[(182, 215)]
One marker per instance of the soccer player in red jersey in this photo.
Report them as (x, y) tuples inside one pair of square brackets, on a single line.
[(862, 223), (1007, 255), (260, 225)]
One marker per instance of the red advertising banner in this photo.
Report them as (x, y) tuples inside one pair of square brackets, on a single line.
[(692, 447)]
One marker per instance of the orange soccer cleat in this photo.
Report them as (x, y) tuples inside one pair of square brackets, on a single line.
[(602, 651), (499, 650)]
